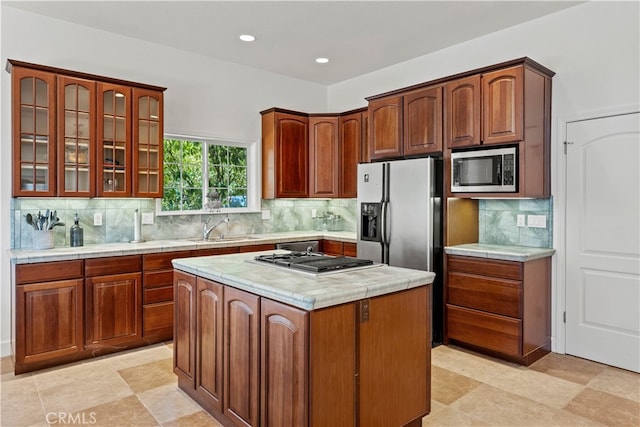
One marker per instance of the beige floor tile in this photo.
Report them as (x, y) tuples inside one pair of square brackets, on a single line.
[(450, 417), (168, 403), (568, 367), (469, 364), (78, 392), (545, 389), (618, 382), (447, 386), (135, 357), (566, 419), (149, 375), (128, 411), (6, 365), (436, 406), (496, 407), (605, 408), (22, 409), (22, 384), (197, 419)]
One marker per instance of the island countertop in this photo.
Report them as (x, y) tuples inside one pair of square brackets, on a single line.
[(302, 290)]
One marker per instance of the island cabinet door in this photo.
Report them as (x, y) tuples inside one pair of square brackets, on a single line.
[(284, 365), (184, 325), (395, 358), (209, 308), (241, 357)]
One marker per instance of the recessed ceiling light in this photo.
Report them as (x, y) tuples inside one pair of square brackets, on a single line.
[(322, 60), (247, 38)]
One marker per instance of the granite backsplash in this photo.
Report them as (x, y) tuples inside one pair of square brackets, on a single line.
[(498, 222)]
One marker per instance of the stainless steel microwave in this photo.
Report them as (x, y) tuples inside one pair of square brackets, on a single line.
[(491, 170)]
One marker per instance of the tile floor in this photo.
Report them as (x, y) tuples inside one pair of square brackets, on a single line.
[(138, 388)]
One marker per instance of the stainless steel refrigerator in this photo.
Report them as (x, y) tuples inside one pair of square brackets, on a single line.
[(400, 220)]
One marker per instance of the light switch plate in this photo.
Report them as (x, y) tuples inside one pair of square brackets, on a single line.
[(537, 221), (314, 213), (266, 214), (521, 221), (97, 218), (147, 217)]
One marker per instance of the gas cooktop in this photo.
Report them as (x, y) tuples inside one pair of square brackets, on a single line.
[(313, 262)]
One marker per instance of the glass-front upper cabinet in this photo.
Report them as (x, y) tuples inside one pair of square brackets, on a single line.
[(33, 132), (114, 141), (147, 143), (76, 137)]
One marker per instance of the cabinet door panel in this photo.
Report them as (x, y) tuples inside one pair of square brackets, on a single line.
[(48, 321), (242, 357), (147, 143), (423, 121), (184, 340), (292, 152), (463, 104), (350, 153), (113, 305), (323, 156), (486, 330), (284, 366), (158, 320), (209, 309), (385, 127), (502, 106)]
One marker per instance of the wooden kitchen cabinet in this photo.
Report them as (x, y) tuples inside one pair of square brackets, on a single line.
[(503, 106), (34, 124), (113, 301), (422, 126), (49, 314), (352, 140), (385, 128), (324, 160), (241, 371), (285, 154), (337, 248), (148, 140), (500, 307), (284, 365), (100, 148), (77, 136), (184, 331), (463, 117)]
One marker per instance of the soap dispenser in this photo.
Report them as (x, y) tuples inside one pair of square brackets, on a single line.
[(75, 233)]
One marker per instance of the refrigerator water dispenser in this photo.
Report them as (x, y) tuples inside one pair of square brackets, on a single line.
[(371, 216)]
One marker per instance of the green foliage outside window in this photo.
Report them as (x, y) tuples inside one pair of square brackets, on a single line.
[(189, 179)]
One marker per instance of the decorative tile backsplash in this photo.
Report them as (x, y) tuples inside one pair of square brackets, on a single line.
[(498, 222), (117, 219)]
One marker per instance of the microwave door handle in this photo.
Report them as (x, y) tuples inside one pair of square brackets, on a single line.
[(499, 171)]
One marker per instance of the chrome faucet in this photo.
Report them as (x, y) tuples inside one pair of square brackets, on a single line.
[(206, 231)]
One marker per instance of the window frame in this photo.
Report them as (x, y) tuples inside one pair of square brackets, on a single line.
[(253, 173)]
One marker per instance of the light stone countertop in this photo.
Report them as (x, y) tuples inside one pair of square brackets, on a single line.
[(64, 253), (303, 290), (507, 253)]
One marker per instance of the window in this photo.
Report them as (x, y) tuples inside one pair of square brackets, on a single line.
[(202, 175)]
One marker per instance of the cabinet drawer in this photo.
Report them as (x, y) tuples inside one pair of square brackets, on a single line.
[(158, 279), (256, 248), (332, 247), (48, 272), (157, 317), (215, 251), (112, 265), (500, 296), (490, 331), (485, 267), (162, 261), (158, 295), (350, 249)]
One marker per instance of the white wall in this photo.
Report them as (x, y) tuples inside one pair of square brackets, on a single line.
[(204, 97), (594, 48)]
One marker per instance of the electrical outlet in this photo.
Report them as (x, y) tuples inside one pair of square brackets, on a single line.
[(97, 218), (521, 221), (147, 217), (537, 221), (266, 214)]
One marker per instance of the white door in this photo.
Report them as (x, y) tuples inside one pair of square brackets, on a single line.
[(603, 240)]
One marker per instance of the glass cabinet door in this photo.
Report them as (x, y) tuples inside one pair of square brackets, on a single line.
[(147, 143), (33, 134), (114, 141), (76, 137)]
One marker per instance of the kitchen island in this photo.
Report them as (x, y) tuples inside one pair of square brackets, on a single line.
[(260, 345)]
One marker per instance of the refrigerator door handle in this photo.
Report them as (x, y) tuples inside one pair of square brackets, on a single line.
[(383, 233)]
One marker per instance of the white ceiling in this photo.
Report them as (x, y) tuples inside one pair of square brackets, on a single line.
[(358, 36)]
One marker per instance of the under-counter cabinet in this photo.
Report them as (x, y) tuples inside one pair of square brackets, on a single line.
[(49, 326), (113, 301), (281, 365), (108, 141), (500, 307)]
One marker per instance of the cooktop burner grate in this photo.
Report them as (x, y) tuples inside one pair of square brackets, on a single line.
[(312, 261)]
